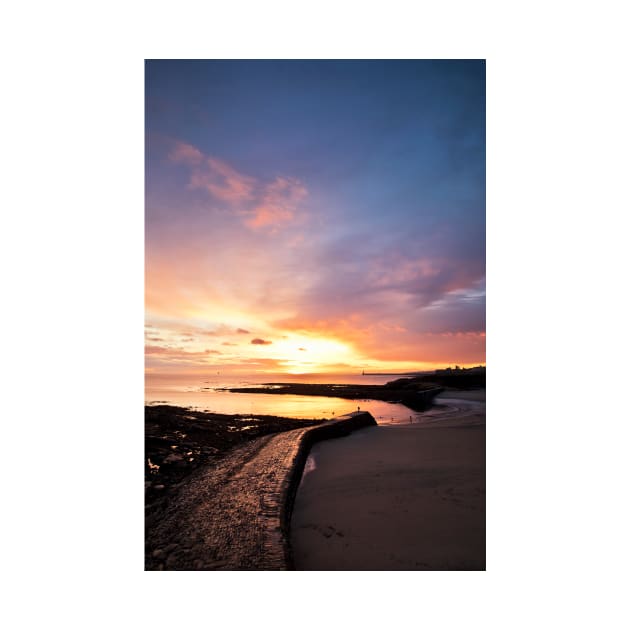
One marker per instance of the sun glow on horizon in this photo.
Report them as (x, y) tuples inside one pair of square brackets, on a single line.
[(258, 261), (303, 353), (173, 347)]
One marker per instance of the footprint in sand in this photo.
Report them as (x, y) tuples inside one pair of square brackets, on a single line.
[(327, 531)]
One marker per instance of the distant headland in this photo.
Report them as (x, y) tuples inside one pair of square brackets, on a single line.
[(416, 392)]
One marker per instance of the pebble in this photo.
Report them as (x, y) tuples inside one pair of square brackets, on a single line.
[(173, 458)]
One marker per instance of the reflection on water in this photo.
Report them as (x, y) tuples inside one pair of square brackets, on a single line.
[(288, 405), (203, 396)]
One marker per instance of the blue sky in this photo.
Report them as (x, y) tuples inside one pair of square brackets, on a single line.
[(330, 201)]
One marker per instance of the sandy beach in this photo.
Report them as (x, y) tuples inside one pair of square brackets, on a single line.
[(397, 497)]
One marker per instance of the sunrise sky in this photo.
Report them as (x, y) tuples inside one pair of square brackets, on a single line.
[(314, 216)]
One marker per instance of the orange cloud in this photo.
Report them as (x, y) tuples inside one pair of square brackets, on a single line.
[(177, 353), (391, 342), (279, 203)]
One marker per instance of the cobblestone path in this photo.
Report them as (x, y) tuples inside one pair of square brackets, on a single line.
[(230, 516)]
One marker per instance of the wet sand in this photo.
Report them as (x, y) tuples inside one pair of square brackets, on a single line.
[(397, 497)]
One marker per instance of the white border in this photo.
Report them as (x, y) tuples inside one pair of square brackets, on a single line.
[(72, 256)]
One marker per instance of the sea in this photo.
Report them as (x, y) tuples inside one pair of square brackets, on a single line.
[(203, 393)]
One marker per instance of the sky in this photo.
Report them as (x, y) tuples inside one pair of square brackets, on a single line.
[(314, 216)]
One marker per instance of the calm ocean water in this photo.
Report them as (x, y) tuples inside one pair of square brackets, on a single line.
[(201, 393)]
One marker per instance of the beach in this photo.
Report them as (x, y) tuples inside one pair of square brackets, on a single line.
[(398, 497), (407, 494)]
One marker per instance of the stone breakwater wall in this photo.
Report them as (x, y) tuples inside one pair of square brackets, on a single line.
[(342, 426), (420, 400), (236, 515)]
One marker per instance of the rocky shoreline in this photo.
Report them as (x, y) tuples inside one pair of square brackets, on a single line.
[(415, 393), (179, 441)]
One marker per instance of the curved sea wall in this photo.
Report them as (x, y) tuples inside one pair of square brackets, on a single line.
[(342, 426), (236, 515)]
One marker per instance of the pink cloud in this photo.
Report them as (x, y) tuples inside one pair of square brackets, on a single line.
[(222, 181), (395, 271), (265, 216), (278, 205), (185, 153), (213, 175), (261, 205)]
